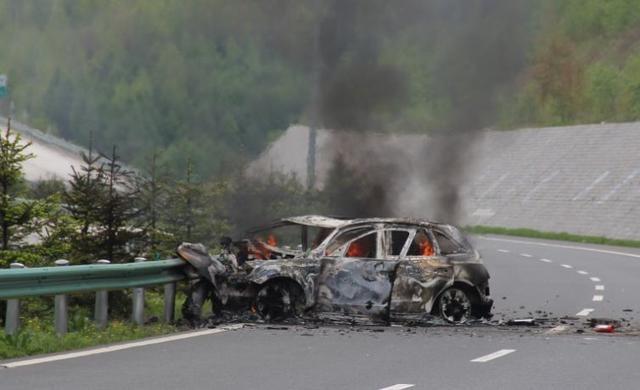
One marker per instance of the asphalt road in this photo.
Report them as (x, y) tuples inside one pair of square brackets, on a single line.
[(299, 357)]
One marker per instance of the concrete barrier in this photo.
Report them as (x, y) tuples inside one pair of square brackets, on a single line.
[(577, 179)]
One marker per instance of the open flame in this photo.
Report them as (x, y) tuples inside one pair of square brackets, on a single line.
[(426, 249), (356, 249), (261, 250)]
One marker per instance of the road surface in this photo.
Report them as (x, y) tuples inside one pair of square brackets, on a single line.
[(530, 278)]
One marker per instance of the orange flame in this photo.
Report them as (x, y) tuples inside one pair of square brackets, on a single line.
[(260, 250), (356, 249), (426, 248)]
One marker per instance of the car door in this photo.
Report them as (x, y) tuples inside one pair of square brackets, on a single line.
[(422, 273), (354, 280)]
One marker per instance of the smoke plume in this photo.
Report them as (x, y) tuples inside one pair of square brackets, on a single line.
[(473, 49)]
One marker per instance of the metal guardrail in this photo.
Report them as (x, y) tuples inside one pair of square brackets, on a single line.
[(20, 282)]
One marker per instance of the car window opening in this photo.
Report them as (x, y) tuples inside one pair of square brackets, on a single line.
[(447, 246), (363, 247), (421, 245), (342, 238), (398, 239)]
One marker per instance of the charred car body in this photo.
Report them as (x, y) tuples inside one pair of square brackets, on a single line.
[(385, 269)]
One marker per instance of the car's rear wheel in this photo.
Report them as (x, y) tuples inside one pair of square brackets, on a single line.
[(278, 300), (454, 305)]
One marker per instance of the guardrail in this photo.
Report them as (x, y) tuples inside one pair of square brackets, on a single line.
[(19, 282)]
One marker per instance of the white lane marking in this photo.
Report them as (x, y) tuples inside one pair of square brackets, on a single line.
[(584, 312), (491, 356), (590, 186), (598, 298), (600, 287), (525, 255), (159, 340), (618, 186), (583, 272), (503, 250), (399, 386), (608, 252), (557, 329), (567, 266), (594, 279), (546, 260)]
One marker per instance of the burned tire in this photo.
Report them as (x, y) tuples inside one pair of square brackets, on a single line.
[(278, 300), (455, 305)]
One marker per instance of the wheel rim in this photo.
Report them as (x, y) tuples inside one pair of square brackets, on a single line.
[(455, 306), (274, 302)]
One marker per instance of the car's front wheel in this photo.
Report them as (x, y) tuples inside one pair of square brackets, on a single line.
[(278, 300), (454, 305)]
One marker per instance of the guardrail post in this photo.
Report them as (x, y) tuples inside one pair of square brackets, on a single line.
[(169, 302), (12, 319), (60, 311), (137, 316), (101, 314)]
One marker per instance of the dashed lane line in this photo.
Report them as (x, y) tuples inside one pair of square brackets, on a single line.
[(492, 356), (584, 312), (581, 248), (596, 298), (119, 347), (503, 250), (399, 386)]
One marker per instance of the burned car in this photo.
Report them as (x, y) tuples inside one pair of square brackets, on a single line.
[(384, 269)]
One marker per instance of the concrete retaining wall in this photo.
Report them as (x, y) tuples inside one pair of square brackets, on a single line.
[(578, 179)]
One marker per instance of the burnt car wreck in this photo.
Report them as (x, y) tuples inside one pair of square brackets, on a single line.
[(380, 269)]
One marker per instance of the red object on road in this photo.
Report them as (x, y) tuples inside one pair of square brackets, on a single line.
[(604, 328)]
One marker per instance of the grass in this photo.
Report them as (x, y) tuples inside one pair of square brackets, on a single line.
[(38, 337), (37, 334), (561, 236)]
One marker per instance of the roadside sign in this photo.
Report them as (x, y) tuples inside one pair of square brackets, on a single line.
[(4, 91)]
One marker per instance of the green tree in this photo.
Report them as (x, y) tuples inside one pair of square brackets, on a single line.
[(15, 212), (86, 190), (195, 210), (117, 210), (152, 194)]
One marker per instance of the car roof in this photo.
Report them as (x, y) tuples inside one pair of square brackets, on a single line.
[(396, 221), (304, 220), (337, 222), (317, 220)]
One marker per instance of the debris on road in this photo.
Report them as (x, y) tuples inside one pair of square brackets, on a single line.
[(595, 322), (522, 322), (602, 328)]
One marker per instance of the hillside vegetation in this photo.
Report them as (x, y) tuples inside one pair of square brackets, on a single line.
[(216, 80), (584, 67)]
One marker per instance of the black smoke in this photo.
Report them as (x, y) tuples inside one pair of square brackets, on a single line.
[(477, 48)]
